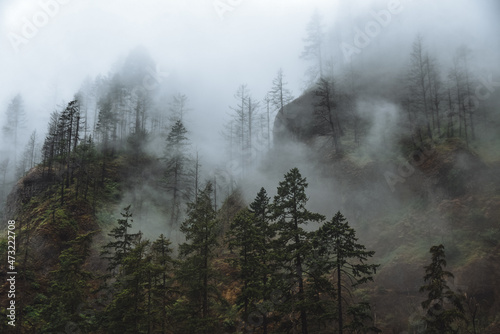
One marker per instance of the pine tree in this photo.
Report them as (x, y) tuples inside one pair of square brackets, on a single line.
[(261, 210), (294, 244), (127, 311), (106, 125), (122, 241), (347, 258), (444, 307), (161, 288), (243, 237), (177, 175), (129, 270), (250, 237), (196, 309)]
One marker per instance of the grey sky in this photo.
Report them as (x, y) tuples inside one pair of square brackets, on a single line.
[(209, 53)]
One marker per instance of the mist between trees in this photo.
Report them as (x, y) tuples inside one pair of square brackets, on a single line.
[(189, 254)]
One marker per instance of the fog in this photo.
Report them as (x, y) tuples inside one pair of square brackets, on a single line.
[(206, 49), (207, 52)]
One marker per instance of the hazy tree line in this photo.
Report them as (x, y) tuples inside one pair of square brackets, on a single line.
[(441, 104), (124, 111), (120, 113), (107, 117), (435, 101), (286, 278)]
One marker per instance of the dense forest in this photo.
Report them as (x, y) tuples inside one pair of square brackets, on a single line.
[(369, 203)]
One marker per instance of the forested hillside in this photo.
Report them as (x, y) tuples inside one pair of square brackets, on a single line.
[(368, 202)]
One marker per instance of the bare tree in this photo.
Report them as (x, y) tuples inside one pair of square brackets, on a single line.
[(28, 159), (280, 95), (436, 94), (349, 97), (460, 95), (239, 125), (326, 112), (267, 100), (419, 85), (251, 119)]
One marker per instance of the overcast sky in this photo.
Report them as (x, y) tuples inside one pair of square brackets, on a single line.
[(207, 52)]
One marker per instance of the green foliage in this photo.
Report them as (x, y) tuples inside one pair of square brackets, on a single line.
[(177, 178), (251, 237), (115, 251), (140, 282), (69, 286), (196, 309), (161, 283), (293, 244), (443, 306), (337, 244)]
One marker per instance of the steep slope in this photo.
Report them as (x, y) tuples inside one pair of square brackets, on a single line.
[(402, 200)]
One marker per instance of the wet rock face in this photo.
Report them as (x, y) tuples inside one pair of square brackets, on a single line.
[(296, 121)]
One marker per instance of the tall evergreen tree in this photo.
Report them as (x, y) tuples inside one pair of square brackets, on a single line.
[(161, 290), (106, 124), (127, 265), (444, 307), (261, 210), (294, 244), (178, 175), (196, 309), (347, 259), (127, 311), (251, 237), (243, 237), (122, 241)]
